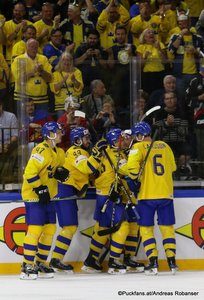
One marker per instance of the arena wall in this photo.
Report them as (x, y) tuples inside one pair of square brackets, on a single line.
[(189, 228)]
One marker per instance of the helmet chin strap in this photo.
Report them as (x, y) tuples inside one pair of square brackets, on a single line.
[(131, 143), (52, 140), (53, 143), (114, 146), (78, 144), (140, 139)]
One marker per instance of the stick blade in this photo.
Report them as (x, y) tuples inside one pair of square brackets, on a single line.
[(151, 110), (110, 230)]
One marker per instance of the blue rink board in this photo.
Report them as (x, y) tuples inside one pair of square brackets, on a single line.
[(178, 193)]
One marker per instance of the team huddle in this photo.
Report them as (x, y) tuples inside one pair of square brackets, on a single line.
[(132, 174)]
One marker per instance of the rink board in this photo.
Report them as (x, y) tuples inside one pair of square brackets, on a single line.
[(189, 228)]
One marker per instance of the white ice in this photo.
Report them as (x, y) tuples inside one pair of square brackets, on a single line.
[(104, 286)]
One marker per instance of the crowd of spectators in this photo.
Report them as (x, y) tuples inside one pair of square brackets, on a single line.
[(60, 56)]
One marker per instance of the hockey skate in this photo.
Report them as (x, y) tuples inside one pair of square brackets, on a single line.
[(28, 272), (91, 265), (116, 267), (132, 265), (59, 266), (152, 268), (44, 271), (172, 265)]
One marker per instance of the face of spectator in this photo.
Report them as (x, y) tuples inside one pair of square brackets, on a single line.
[(170, 85), (1, 108), (92, 40), (70, 113), (47, 12), (141, 104), (18, 12), (100, 90), (107, 107), (113, 14), (183, 24), (145, 10), (30, 108), (73, 12), (120, 36), (30, 34), (170, 100), (56, 38), (32, 48), (67, 63), (149, 36)]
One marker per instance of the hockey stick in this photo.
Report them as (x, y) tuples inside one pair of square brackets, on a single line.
[(105, 253), (150, 111), (147, 155), (117, 226)]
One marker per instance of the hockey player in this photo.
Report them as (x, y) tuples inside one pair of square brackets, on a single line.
[(39, 187), (155, 194), (108, 213), (133, 237), (81, 165)]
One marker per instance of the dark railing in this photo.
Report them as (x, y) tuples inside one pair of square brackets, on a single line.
[(9, 155)]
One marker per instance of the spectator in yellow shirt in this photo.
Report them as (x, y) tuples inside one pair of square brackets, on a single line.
[(46, 24), (110, 17), (13, 29), (29, 32), (67, 80), (32, 72), (146, 19), (153, 56)]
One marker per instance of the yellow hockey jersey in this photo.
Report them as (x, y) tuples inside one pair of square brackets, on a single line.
[(107, 174), (40, 169), (80, 166), (156, 179)]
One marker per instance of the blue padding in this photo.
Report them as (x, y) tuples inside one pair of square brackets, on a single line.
[(195, 193), (11, 196), (91, 194)]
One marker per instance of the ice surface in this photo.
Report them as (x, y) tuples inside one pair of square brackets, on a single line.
[(104, 286)]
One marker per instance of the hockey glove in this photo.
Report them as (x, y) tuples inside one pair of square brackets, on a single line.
[(98, 148), (137, 185), (61, 174), (96, 153), (134, 185), (114, 195), (101, 145), (43, 194), (133, 207)]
